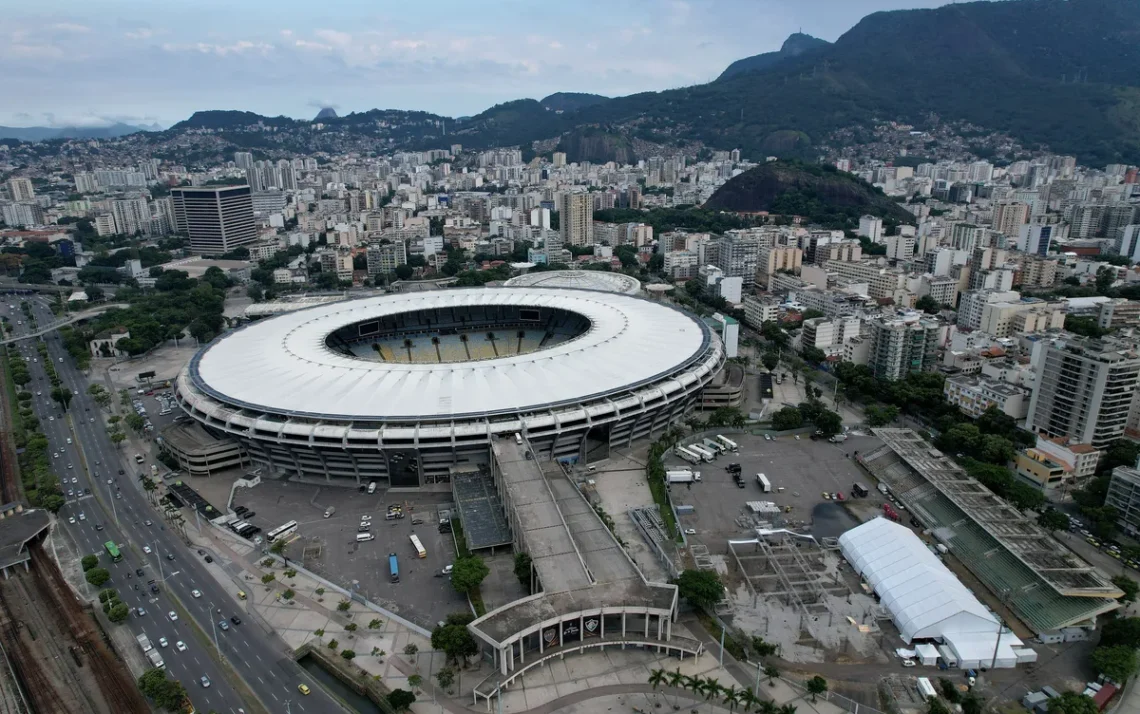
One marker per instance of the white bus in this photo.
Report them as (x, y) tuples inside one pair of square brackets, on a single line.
[(728, 443), (700, 451), (418, 546), (282, 532), (687, 455)]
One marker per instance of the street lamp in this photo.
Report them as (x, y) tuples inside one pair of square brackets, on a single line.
[(214, 627)]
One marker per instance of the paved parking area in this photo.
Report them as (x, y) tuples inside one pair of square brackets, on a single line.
[(328, 546), (800, 470)]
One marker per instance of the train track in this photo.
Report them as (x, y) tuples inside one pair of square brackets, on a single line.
[(110, 674), (30, 675)]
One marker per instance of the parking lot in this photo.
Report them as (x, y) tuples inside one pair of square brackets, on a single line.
[(328, 546), (800, 471)]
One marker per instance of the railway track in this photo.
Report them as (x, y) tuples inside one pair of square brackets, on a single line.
[(43, 696), (110, 674)]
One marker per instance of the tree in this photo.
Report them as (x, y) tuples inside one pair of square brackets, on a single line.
[(1118, 663), (702, 588), (401, 699), (771, 671), (971, 704), (813, 355), (1053, 520), (98, 576), (89, 562), (403, 272), (415, 681), (348, 655), (118, 612), (936, 706), (168, 694), (468, 572), (445, 677), (61, 395), (770, 360), (1072, 703), (411, 649), (343, 605), (828, 422), (454, 639), (816, 685), (1128, 585), (658, 678), (927, 304), (787, 418), (1121, 631), (522, 569), (880, 416)]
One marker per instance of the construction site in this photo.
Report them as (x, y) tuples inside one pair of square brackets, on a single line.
[(799, 594)]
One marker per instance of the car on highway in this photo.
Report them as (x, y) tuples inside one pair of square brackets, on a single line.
[(236, 620), (223, 624), (69, 439), (139, 611), (98, 526), (55, 455), (75, 479), (147, 523), (303, 689), (71, 520), (180, 646), (196, 593), (170, 556), (82, 516), (173, 616), (205, 681), (139, 572), (121, 472), (70, 492), (366, 518), (162, 642), (147, 550)]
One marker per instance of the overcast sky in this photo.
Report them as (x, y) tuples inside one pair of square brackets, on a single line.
[(89, 62)]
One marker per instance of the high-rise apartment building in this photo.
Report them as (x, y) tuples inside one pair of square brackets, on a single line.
[(384, 258), (217, 218), (23, 214), (21, 189), (1084, 390), (738, 254), (576, 218), (901, 347), (1035, 238), (243, 159), (85, 182), (132, 215), (1010, 217)]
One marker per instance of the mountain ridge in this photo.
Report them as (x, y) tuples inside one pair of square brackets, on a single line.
[(47, 133), (797, 44)]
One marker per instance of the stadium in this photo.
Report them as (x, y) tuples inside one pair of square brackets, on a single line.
[(404, 388)]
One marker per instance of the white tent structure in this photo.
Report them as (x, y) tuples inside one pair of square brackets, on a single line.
[(925, 600)]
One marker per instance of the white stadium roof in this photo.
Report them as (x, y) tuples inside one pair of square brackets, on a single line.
[(282, 365), (578, 279), (925, 599)]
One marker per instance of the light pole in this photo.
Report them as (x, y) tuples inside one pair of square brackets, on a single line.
[(114, 511), (214, 628)]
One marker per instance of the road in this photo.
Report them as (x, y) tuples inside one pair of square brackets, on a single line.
[(56, 323), (122, 509)]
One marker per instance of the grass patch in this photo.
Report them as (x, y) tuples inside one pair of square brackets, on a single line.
[(734, 645)]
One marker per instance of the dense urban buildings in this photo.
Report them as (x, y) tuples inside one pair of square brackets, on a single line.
[(217, 219)]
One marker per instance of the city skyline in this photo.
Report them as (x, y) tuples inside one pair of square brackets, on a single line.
[(94, 64)]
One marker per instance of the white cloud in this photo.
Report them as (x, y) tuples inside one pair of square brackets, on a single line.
[(70, 27)]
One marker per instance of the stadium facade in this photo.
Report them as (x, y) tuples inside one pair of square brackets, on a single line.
[(403, 388)]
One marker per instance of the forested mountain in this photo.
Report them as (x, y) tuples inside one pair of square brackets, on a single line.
[(796, 45)]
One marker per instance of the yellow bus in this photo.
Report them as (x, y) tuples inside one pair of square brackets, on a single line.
[(419, 547)]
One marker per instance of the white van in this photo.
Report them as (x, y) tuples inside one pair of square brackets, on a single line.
[(371, 487), (364, 537)]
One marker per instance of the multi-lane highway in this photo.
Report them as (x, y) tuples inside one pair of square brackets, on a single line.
[(106, 491)]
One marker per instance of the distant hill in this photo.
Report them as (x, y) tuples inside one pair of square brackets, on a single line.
[(597, 145), (820, 193), (571, 101), (325, 113), (796, 45), (44, 133), (229, 119)]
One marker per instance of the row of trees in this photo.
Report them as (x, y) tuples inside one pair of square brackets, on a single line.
[(710, 689), (41, 485)]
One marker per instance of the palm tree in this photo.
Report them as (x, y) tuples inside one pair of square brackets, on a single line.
[(748, 699), (657, 678), (676, 680), (785, 709), (731, 696), (695, 684), (771, 671), (435, 341), (712, 689)]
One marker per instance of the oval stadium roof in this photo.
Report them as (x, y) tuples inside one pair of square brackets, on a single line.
[(579, 280), (283, 365)]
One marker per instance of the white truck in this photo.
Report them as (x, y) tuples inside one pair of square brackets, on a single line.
[(682, 476), (838, 438), (765, 484), (701, 452), (687, 455), (144, 643), (155, 659), (712, 445)]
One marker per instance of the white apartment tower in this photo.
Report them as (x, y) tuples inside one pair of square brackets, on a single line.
[(576, 218), (1084, 390), (21, 189)]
